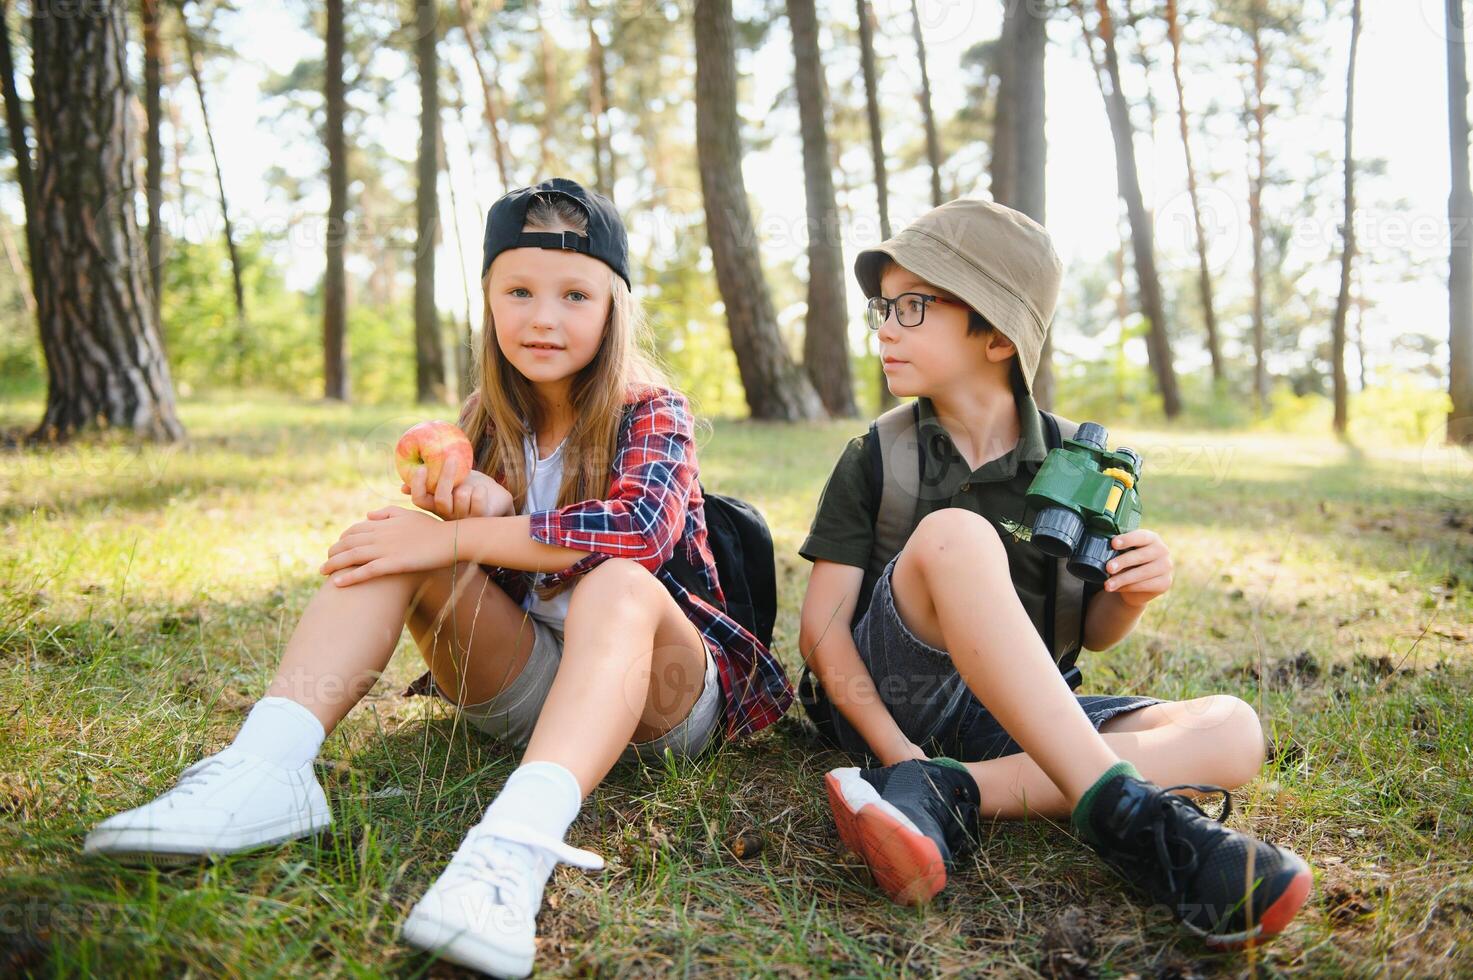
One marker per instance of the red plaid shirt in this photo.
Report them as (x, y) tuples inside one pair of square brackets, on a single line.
[(653, 507)]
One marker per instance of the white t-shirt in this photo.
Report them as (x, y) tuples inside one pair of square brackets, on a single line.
[(544, 480)]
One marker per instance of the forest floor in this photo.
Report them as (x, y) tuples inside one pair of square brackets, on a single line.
[(147, 595)]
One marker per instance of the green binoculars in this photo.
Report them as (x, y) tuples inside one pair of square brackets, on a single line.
[(1081, 498)]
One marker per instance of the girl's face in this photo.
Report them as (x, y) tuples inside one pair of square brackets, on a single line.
[(549, 308)]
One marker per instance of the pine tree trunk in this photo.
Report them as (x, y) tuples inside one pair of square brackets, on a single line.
[(236, 273), (334, 281), (1459, 214), (928, 114), (1255, 214), (15, 123), (775, 387), (826, 326), (876, 149), (598, 103), (154, 149), (1347, 255), (491, 101), (1020, 149), (429, 348), (1158, 344), (104, 362), (1204, 276)]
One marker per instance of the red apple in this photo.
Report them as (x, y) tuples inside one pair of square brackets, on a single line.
[(432, 445)]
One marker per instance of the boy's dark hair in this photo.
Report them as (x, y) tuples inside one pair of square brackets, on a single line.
[(977, 324)]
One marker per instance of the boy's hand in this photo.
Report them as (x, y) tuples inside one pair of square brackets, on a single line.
[(477, 496), (1141, 573)]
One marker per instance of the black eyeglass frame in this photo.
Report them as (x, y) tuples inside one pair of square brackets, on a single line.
[(890, 304)]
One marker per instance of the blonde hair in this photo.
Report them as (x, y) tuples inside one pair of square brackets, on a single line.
[(504, 409)]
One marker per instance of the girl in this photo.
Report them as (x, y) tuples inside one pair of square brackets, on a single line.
[(568, 636)]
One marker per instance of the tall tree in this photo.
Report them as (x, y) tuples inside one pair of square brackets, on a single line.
[(1460, 253), (104, 362), (15, 123), (334, 281), (933, 141), (598, 104), (826, 337), (1019, 148), (490, 96), (1143, 250), (1258, 113), (876, 145), (429, 349), (237, 275), (153, 145), (1204, 276), (775, 387), (1347, 254)]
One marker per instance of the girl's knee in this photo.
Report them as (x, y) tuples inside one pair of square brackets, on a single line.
[(618, 585)]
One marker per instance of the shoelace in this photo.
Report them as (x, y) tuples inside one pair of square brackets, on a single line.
[(1168, 814), (480, 858), (195, 776)]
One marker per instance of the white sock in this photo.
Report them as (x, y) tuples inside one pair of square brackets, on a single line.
[(542, 795), (281, 731)]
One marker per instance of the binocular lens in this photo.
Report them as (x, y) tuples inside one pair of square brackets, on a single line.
[(1056, 530)]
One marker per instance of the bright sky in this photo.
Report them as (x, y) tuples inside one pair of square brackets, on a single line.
[(1400, 118)]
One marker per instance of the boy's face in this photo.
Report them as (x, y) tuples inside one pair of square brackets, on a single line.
[(939, 355), (549, 308)]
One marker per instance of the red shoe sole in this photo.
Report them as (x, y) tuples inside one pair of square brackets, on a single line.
[(1277, 916), (906, 865)]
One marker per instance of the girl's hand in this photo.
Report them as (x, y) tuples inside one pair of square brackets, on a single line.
[(477, 496), (391, 541), (1142, 573)]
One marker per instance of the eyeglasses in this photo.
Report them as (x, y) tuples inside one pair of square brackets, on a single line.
[(910, 309)]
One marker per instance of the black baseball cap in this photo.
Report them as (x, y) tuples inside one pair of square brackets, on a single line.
[(605, 241)]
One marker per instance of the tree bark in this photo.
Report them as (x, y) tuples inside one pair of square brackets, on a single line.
[(429, 350), (490, 98), (826, 324), (1204, 275), (1347, 255), (1460, 258), (1020, 149), (237, 276), (1255, 209), (154, 148), (775, 387), (334, 282), (1158, 343), (104, 363), (876, 148), (928, 114), (598, 103), (548, 69)]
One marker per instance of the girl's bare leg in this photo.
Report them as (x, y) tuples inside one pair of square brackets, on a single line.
[(953, 591), (632, 668), (346, 636), (1215, 740)]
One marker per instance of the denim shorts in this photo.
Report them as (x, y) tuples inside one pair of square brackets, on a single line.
[(926, 696), (512, 714)]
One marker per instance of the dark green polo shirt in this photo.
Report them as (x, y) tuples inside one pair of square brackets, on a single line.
[(843, 528)]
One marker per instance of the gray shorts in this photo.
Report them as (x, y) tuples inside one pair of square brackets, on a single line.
[(512, 714), (926, 696)]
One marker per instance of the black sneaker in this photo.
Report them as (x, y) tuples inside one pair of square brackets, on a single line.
[(1223, 885), (908, 822)]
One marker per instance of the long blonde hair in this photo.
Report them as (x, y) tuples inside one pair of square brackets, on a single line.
[(504, 409)]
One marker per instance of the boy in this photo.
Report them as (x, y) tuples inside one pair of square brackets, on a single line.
[(932, 659)]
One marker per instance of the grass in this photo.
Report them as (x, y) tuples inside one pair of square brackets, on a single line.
[(147, 594)]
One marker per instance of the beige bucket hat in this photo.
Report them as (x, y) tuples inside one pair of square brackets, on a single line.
[(998, 261)]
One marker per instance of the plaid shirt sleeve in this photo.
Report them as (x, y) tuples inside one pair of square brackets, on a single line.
[(643, 516)]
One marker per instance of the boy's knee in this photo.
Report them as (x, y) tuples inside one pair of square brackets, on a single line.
[(955, 532), (1239, 737)]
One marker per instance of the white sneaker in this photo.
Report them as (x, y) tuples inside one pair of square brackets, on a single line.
[(227, 802), (482, 910)]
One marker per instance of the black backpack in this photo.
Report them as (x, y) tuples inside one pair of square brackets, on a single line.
[(742, 546)]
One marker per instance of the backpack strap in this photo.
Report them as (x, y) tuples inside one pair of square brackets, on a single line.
[(895, 474), (1064, 602)]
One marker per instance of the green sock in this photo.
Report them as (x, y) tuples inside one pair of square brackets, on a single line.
[(1082, 810), (942, 760)]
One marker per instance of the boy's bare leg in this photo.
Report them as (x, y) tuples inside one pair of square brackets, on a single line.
[(953, 591), (632, 668), (347, 635), (1215, 740)]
